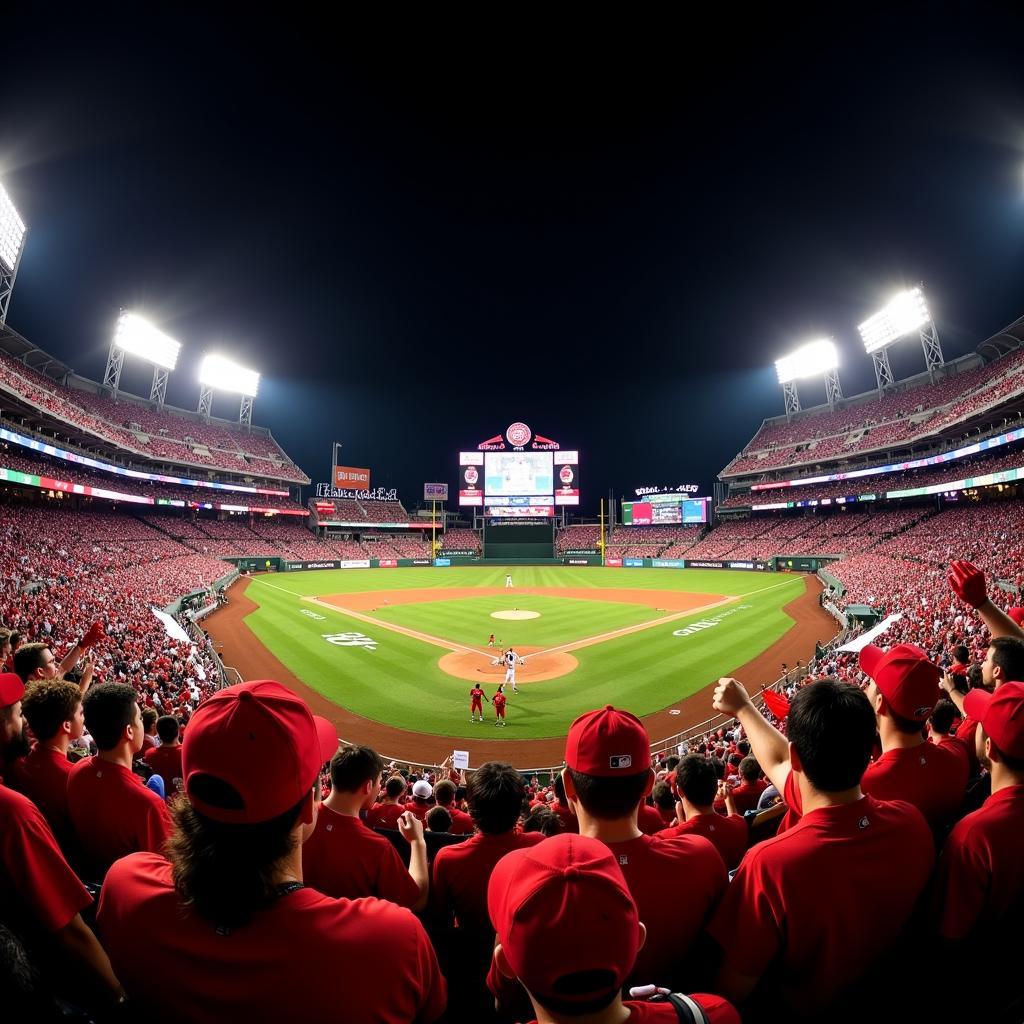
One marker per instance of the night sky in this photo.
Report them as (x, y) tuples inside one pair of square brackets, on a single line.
[(420, 232)]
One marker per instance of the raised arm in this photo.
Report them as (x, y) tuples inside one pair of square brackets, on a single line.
[(767, 744), (967, 581)]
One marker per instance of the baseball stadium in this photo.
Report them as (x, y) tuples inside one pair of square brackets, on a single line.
[(533, 699)]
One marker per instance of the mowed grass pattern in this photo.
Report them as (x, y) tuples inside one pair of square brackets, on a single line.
[(399, 682)]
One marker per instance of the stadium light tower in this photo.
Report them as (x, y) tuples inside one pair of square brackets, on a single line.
[(815, 359), (12, 244), (136, 336), (219, 374), (905, 314)]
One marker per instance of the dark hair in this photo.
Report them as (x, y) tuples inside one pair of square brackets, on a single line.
[(394, 787), (671, 762), (28, 658), (975, 678), (559, 788), (743, 747), (444, 793), (610, 798), (352, 767), (166, 728), (696, 780), (719, 765), (438, 819), (149, 719), (47, 704), (663, 797), (543, 820), (749, 769), (942, 717), (565, 999), (109, 708), (832, 727), (225, 872), (1008, 654), (496, 794), (961, 654)]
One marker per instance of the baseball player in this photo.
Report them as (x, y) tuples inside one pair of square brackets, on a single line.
[(511, 660), (498, 700), (508, 581), (476, 707), (490, 640)]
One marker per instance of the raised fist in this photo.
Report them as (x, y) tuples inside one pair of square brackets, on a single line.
[(730, 697), (967, 581), (93, 635)]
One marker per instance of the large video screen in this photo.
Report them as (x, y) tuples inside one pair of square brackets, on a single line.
[(665, 511), (518, 474)]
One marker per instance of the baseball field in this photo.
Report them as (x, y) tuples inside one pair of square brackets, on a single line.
[(401, 648)]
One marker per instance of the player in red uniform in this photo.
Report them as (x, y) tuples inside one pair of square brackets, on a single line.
[(499, 700), (476, 707), (490, 640)]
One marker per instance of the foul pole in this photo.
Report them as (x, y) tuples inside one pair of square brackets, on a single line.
[(602, 531)]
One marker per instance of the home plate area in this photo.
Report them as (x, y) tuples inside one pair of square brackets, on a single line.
[(479, 668)]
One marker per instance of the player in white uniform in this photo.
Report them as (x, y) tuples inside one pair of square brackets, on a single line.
[(511, 661), (508, 581)]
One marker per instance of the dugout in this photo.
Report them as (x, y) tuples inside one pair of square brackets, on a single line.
[(519, 540)]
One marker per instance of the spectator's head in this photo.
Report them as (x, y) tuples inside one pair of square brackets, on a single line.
[(750, 770), (355, 771), (52, 707), (743, 747), (904, 686), (1000, 739), (13, 741), (5, 643), (438, 819), (444, 793), (149, 721), (543, 820), (607, 759), (831, 728), (975, 679), (961, 654), (567, 926), (1004, 662), (942, 717), (251, 765), (394, 788), (663, 797), (696, 781), (113, 718), (422, 791), (166, 727), (35, 661), (559, 787), (496, 795)]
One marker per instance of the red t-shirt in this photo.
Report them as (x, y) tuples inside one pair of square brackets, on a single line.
[(716, 1009), (38, 891), (113, 814), (476, 694), (826, 899), (305, 957), (649, 820), (570, 823), (746, 795), (43, 777), (932, 778), (966, 731), (981, 870), (166, 762), (729, 835), (462, 823), (344, 858), (676, 884), (419, 808), (498, 700), (384, 815)]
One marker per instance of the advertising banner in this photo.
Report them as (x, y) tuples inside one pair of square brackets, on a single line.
[(757, 564), (421, 561), (567, 478), (613, 561), (577, 561), (354, 563), (435, 492), (521, 511), (441, 562), (293, 566), (633, 563), (667, 563), (388, 563), (580, 551), (471, 480), (460, 553), (351, 476)]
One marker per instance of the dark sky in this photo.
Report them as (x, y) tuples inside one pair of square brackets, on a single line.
[(420, 232)]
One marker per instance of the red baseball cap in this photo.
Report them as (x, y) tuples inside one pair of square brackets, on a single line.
[(1001, 715), (608, 744), (1017, 614), (561, 908), (908, 679), (261, 740), (11, 689)]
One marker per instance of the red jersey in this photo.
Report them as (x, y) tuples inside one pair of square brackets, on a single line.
[(676, 883), (730, 835), (38, 891), (344, 858), (967, 731), (932, 778), (746, 795), (306, 956), (462, 823), (716, 1009), (570, 823), (43, 777), (113, 814), (981, 870), (419, 808), (477, 696), (498, 700), (384, 815), (649, 820), (166, 762), (866, 863)]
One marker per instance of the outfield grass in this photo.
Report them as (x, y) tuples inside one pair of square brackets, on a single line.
[(398, 682)]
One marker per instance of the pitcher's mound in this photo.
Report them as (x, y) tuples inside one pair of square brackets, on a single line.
[(476, 666), (515, 614)]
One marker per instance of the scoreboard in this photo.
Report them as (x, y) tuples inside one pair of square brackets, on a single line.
[(665, 510)]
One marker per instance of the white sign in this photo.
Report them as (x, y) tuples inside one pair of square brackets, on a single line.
[(350, 640), (460, 759), (696, 627), (435, 492), (857, 645), (311, 615), (355, 563)]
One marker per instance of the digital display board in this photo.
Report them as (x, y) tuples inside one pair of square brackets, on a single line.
[(471, 482), (677, 511), (518, 474), (567, 478)]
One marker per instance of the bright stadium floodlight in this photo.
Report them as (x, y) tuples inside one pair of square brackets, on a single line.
[(907, 313), (12, 242), (219, 374), (136, 336), (815, 359)]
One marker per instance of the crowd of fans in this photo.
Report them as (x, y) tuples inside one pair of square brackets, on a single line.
[(460, 538), (577, 538), (652, 541), (361, 510), (807, 862)]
